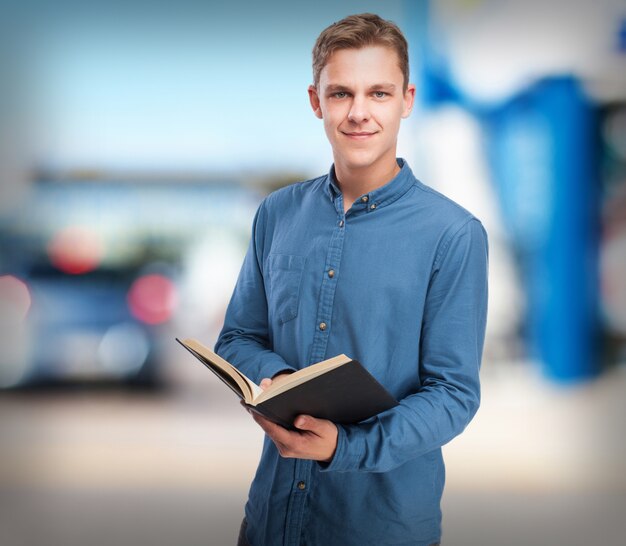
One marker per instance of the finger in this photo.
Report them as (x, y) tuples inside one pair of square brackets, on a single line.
[(266, 382), (311, 424), (276, 432), (266, 424)]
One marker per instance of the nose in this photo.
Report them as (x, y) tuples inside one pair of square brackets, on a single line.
[(359, 111)]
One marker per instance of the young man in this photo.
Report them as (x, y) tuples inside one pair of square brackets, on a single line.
[(367, 261)]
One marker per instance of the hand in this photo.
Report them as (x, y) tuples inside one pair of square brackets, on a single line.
[(266, 382), (316, 439)]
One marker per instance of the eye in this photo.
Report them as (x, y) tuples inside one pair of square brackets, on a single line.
[(340, 95), (380, 94)]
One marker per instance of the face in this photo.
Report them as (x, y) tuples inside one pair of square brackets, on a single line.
[(360, 99)]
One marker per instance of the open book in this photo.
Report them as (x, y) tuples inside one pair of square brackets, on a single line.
[(339, 389)]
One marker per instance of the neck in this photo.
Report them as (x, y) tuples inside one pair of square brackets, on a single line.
[(354, 182)]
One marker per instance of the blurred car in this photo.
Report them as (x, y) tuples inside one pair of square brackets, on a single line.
[(74, 323), (102, 325), (90, 276)]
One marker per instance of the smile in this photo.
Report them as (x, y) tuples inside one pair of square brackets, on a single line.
[(359, 136)]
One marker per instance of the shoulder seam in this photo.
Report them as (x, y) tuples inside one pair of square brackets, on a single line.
[(444, 248), (423, 187)]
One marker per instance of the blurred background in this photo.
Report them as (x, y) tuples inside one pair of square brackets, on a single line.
[(136, 141)]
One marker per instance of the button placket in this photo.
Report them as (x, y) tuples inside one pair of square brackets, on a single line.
[(327, 294), (296, 510)]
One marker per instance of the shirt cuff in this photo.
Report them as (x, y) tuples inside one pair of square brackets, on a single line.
[(271, 365), (347, 454)]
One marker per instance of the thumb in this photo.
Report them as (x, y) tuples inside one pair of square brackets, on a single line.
[(306, 422)]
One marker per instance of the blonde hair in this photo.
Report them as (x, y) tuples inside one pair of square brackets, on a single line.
[(355, 32)]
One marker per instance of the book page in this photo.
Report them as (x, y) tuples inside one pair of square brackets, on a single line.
[(224, 369), (301, 376)]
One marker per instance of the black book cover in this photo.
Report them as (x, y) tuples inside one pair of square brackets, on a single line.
[(345, 395)]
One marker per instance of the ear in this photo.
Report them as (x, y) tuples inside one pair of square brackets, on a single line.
[(315, 101), (409, 99)]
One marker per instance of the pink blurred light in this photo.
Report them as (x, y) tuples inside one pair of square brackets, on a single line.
[(75, 250), (152, 299), (15, 298)]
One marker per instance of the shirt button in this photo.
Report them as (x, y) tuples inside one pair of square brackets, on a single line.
[(322, 326), (372, 206), (301, 485), (341, 223), (365, 198), (331, 273)]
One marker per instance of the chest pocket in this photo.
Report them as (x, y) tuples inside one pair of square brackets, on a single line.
[(285, 276)]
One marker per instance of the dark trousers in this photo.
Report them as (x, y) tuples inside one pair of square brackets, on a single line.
[(242, 541)]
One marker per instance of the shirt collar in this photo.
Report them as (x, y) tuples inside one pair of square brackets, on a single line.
[(380, 197)]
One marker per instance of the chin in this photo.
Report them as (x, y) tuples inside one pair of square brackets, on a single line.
[(359, 160)]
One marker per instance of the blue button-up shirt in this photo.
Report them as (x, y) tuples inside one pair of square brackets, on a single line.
[(398, 282)]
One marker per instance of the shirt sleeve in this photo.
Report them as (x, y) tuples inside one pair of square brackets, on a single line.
[(453, 330), (244, 339)]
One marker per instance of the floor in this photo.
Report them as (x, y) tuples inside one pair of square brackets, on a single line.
[(539, 465)]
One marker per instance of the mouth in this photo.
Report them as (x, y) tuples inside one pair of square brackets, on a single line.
[(359, 135)]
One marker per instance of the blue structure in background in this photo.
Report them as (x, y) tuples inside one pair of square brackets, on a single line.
[(542, 152), (541, 146), (429, 65)]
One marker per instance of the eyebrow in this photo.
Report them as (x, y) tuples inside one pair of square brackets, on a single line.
[(336, 88)]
